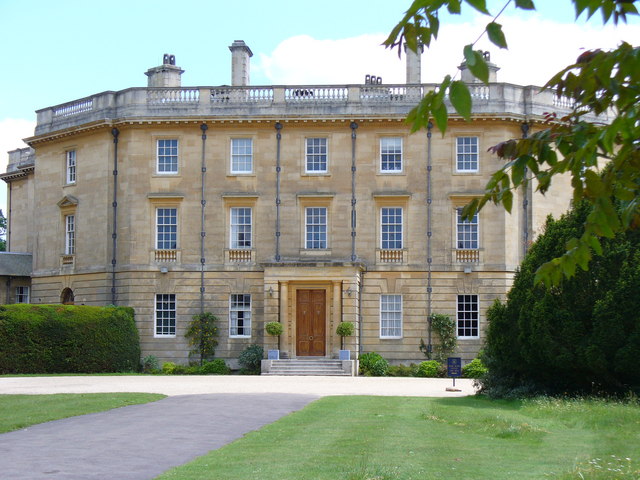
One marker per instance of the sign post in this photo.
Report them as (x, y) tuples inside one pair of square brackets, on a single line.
[(454, 368)]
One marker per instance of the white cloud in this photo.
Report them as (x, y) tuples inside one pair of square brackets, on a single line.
[(538, 48)]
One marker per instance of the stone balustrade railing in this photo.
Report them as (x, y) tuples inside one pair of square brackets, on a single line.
[(282, 102)]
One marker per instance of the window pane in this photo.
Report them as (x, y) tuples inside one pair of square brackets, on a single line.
[(71, 166), (241, 155), (70, 235), (240, 315), (390, 316), (167, 156), (467, 316), (165, 314), (467, 232), (391, 154), (240, 227), (22, 294), (316, 227), (167, 228), (391, 226), (467, 154), (316, 158)]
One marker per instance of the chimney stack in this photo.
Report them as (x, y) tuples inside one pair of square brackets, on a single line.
[(467, 76), (240, 63), (414, 64), (166, 75)]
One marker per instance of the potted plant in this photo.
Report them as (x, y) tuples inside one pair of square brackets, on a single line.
[(345, 329), (274, 329)]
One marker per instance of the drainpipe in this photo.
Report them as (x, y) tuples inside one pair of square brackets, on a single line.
[(8, 232), (429, 233), (115, 132), (353, 126), (525, 202), (203, 203), (278, 138)]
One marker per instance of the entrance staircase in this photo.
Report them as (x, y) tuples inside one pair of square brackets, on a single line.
[(315, 366)]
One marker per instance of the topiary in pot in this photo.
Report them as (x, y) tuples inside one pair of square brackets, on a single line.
[(345, 329), (274, 329)]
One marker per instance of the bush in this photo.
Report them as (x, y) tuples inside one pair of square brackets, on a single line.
[(274, 328), (430, 369), (373, 365), (402, 370), (581, 337), (215, 367), (250, 359), (169, 368), (202, 335), (68, 339), (150, 364), (345, 329), (474, 369)]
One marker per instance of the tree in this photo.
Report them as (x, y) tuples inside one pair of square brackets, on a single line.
[(202, 335), (581, 336), (597, 82)]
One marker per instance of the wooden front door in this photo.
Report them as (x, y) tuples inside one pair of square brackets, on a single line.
[(310, 322)]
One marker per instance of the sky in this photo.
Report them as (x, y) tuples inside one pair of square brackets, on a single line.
[(55, 52)]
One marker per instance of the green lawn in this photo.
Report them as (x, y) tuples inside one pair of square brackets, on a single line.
[(20, 411), (380, 438)]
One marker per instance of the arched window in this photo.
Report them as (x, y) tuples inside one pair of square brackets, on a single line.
[(66, 297)]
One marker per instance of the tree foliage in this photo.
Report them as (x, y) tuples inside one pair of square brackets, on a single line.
[(202, 335), (598, 82), (581, 336)]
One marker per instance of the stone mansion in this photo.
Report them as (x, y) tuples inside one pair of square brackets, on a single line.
[(308, 205)]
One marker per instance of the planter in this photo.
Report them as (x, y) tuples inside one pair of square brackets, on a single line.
[(273, 355), (345, 355)]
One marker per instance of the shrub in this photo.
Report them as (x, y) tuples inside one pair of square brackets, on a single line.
[(430, 368), (444, 327), (169, 368), (215, 367), (274, 328), (251, 358), (345, 329), (474, 369), (68, 339), (202, 335), (373, 365), (150, 364), (402, 370)]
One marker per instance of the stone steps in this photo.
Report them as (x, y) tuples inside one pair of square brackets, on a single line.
[(307, 367)]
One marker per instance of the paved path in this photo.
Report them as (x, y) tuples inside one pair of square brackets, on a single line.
[(188, 385), (139, 442)]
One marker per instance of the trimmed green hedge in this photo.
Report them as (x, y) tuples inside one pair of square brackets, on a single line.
[(67, 339)]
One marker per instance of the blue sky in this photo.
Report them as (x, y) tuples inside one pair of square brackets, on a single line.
[(54, 52)]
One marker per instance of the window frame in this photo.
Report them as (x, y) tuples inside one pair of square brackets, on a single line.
[(234, 242), (23, 292), (158, 233), (308, 241), (474, 229), (473, 314), (383, 152), (70, 234), (71, 167), (382, 225), (237, 307), (172, 324), (474, 156), (163, 155), (309, 155), (233, 155), (398, 300)]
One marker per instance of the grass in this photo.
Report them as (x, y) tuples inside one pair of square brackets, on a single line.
[(384, 438), (26, 410)]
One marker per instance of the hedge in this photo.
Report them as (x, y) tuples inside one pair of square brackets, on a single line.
[(67, 339)]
